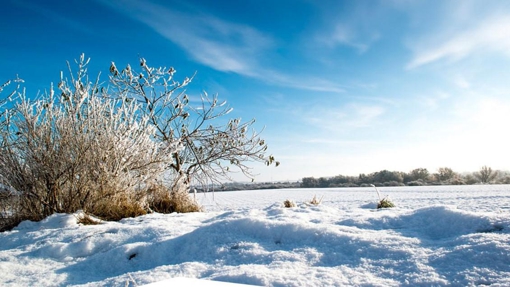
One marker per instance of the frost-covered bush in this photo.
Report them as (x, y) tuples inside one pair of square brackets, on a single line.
[(118, 150), (393, 183), (213, 147), (76, 149), (418, 182)]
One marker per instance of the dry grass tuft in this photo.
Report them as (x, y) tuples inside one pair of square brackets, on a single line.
[(161, 199), (289, 204), (117, 208), (385, 203), (316, 201), (86, 219)]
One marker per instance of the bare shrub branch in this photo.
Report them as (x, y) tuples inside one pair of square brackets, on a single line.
[(210, 149)]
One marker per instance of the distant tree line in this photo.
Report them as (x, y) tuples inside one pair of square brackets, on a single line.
[(231, 186), (416, 177)]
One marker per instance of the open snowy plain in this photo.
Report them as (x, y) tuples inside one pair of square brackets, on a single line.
[(436, 236)]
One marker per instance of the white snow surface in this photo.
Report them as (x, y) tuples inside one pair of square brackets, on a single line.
[(436, 236)]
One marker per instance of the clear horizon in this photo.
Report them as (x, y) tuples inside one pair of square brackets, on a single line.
[(339, 87)]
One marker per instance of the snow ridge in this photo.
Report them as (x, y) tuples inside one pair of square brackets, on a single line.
[(307, 245)]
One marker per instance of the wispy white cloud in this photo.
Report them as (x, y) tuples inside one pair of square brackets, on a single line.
[(303, 82), (213, 42), (353, 29), (490, 35), (342, 35), (346, 118), (219, 44), (365, 115), (461, 82), (433, 100)]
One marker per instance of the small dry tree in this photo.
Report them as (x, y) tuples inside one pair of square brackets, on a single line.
[(211, 149), (486, 174)]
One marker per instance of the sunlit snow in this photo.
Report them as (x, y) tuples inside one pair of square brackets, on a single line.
[(435, 236)]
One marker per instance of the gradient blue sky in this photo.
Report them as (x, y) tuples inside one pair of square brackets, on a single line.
[(342, 87)]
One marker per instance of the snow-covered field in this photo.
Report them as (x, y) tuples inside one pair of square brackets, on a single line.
[(454, 235)]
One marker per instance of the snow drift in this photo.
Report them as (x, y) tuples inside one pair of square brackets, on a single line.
[(307, 245)]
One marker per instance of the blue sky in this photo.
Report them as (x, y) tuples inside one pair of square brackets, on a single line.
[(341, 87)]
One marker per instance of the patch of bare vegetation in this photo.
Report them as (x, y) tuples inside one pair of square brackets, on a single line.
[(315, 201), (289, 203)]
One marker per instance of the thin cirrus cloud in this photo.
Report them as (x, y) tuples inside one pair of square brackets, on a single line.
[(343, 35), (219, 44), (492, 35), (208, 40), (349, 24), (350, 117)]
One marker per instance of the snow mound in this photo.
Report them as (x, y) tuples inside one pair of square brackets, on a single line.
[(182, 281), (436, 222), (54, 221), (307, 245)]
